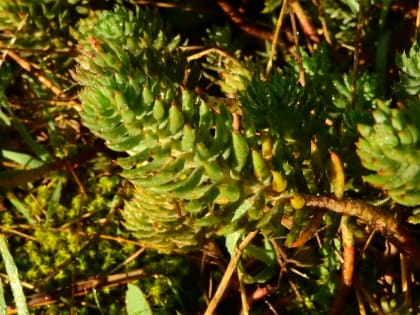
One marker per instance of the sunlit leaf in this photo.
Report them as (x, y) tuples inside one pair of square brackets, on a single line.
[(136, 302)]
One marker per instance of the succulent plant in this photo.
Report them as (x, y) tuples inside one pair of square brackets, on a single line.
[(194, 174), (390, 146)]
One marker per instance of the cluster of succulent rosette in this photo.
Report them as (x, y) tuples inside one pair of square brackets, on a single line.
[(194, 173)]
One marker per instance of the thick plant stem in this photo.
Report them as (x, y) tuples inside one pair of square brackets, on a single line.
[(384, 222)]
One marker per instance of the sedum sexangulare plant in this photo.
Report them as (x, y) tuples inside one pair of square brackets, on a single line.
[(289, 169)]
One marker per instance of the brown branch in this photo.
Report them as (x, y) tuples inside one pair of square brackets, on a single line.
[(382, 221), (374, 216), (238, 19)]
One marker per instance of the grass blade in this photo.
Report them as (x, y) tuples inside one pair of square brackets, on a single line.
[(3, 305), (38, 149), (21, 208), (12, 273), (21, 158), (54, 200)]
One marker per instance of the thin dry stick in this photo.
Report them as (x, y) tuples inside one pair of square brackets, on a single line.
[(78, 182), (13, 40), (37, 72), (368, 241), (244, 300), (416, 32), (281, 260), (208, 52), (21, 234), (369, 298), (304, 21), (322, 19), (32, 68), (276, 38), (356, 56), (25, 285), (295, 289), (62, 101), (128, 260), (298, 57), (405, 279), (271, 308), (362, 309), (228, 273)]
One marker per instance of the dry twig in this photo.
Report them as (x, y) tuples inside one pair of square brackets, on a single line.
[(228, 273)]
